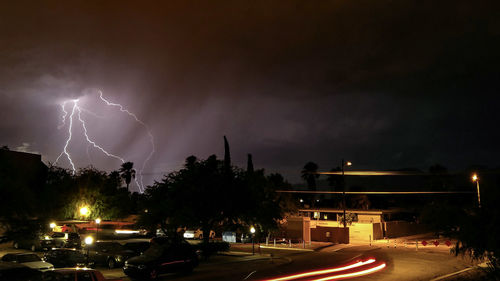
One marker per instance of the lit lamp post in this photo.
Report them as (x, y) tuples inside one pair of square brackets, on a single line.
[(476, 179), (52, 226), (252, 230), (84, 211), (97, 221), (88, 241), (344, 163)]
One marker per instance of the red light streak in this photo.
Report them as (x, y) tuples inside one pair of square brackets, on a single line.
[(353, 274), (324, 271)]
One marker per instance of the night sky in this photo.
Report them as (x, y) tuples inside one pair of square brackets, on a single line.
[(385, 84)]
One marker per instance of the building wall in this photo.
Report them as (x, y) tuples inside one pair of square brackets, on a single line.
[(298, 228), (330, 234), (361, 232)]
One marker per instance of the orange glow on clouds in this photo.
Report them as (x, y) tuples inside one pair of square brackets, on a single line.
[(332, 270)]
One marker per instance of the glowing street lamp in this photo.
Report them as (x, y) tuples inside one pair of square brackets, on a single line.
[(476, 179), (252, 230), (97, 221), (52, 225), (84, 211), (88, 241)]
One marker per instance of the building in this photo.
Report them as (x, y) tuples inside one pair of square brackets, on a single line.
[(326, 225), (22, 170)]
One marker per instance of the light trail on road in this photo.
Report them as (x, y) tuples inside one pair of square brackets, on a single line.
[(353, 274), (333, 270)]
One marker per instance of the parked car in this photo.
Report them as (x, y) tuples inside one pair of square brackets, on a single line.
[(4, 239), (29, 260), (75, 274), (137, 247), (66, 240), (66, 258), (166, 254), (33, 243), (10, 271), (111, 254), (197, 234)]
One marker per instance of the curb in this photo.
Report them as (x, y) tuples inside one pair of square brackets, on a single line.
[(484, 264), (290, 249)]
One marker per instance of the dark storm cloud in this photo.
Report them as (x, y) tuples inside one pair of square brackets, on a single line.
[(390, 83)]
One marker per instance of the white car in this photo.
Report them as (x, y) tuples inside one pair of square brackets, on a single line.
[(197, 234), (29, 260)]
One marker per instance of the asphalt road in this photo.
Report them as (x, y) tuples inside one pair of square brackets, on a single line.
[(402, 264)]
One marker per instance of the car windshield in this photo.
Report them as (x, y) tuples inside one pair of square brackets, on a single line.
[(154, 251), (28, 258)]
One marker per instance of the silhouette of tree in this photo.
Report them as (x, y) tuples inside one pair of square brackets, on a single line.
[(227, 157), (127, 172), (249, 164), (309, 174)]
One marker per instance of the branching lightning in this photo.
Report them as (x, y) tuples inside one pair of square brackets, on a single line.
[(151, 138), (92, 142), (65, 150), (78, 109)]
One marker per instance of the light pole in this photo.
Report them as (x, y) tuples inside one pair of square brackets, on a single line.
[(97, 221), (344, 163), (476, 179), (252, 230), (88, 241), (52, 226)]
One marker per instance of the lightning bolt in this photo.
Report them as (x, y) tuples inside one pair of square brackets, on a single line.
[(92, 142), (76, 108), (151, 138), (65, 150)]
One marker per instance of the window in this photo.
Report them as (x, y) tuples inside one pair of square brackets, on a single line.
[(28, 258)]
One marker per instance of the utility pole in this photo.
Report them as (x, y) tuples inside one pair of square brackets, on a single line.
[(343, 189)]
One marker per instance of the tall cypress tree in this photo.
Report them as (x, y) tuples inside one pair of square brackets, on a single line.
[(227, 156), (249, 164)]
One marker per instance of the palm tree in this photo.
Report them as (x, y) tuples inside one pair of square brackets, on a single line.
[(309, 174), (127, 172)]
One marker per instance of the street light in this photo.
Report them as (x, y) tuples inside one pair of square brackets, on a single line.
[(97, 221), (52, 226), (252, 230), (476, 179), (88, 241), (84, 211), (344, 163)]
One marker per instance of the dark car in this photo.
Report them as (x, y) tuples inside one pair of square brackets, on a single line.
[(112, 254), (33, 243), (10, 271), (137, 247), (165, 255), (66, 258), (66, 240)]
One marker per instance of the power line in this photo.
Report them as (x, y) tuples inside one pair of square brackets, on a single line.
[(376, 192)]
